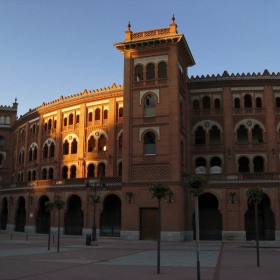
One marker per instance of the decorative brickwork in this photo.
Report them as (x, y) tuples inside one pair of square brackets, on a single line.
[(150, 173)]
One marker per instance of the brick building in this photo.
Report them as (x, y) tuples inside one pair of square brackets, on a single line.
[(158, 127)]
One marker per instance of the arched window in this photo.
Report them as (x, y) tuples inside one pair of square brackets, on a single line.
[(215, 162), (150, 72), (242, 135), (74, 146), (18, 177), (65, 121), (33, 175), (120, 169), (277, 102), (101, 170), (243, 165), (200, 164), (91, 144), (149, 106), (236, 103), (120, 142), (50, 124), (120, 112), (258, 164), (102, 141), (215, 137), (1, 160), (46, 126), (90, 171), (45, 151), (206, 102), (200, 136), (195, 105), (35, 153), (66, 148), (217, 103), (29, 176), (64, 172), (44, 174), (30, 154), (52, 147), (105, 114), (50, 173), (71, 119), (162, 70), (182, 151), (90, 116), (247, 101), (97, 114), (34, 129), (73, 171), (54, 124), (258, 102), (138, 73), (77, 119), (149, 143), (257, 134)]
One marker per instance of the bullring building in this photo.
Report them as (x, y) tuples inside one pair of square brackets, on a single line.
[(160, 126)]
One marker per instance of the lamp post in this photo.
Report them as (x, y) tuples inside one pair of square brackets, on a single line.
[(95, 199)]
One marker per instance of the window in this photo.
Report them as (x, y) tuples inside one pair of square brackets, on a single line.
[(200, 136), (243, 165), (46, 127), (33, 175), (74, 146), (277, 102), (138, 73), (257, 134), (195, 105), (30, 155), (29, 177), (52, 146), (44, 174), (77, 119), (120, 142), (258, 102), (35, 153), (91, 144), (66, 148), (73, 171), (162, 70), (258, 164), (105, 114), (247, 101), (71, 119), (65, 121), (215, 137), (1, 160), (217, 104), (236, 103), (149, 106), (102, 141), (45, 151), (242, 135), (64, 172), (50, 174), (90, 117), (97, 115), (54, 124), (49, 124), (120, 112), (90, 171), (149, 143), (150, 72), (206, 102), (101, 170)]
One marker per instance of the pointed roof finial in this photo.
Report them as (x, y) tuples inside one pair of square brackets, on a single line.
[(173, 18), (129, 25)]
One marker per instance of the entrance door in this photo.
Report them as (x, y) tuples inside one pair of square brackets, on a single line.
[(20, 215), (74, 217), (110, 219), (4, 213), (148, 223), (43, 216)]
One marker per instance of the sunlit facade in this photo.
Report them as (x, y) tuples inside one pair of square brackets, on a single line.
[(160, 126)]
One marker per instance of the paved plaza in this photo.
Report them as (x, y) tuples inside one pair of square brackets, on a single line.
[(28, 257)]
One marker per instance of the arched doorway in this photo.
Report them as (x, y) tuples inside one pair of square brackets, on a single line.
[(43, 216), (4, 213), (110, 219), (265, 218), (74, 217), (210, 218), (20, 215)]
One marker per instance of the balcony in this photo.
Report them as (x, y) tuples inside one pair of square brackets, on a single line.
[(150, 83)]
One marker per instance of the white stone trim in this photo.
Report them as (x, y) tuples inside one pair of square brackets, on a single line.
[(143, 92), (154, 59)]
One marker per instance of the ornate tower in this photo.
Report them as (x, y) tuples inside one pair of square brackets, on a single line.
[(154, 126)]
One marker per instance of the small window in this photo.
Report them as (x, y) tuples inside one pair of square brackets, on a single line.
[(50, 124), (200, 136), (247, 101), (217, 104), (206, 102), (65, 121), (150, 72), (91, 144), (64, 172), (162, 70), (52, 150), (66, 148), (90, 171), (101, 170), (258, 102), (138, 73), (73, 171), (149, 143), (90, 117), (120, 112), (105, 114), (74, 146), (2, 141), (45, 151), (150, 106), (71, 119), (120, 169), (277, 102), (236, 103), (77, 119), (97, 114)]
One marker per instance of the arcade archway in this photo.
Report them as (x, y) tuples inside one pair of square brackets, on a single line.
[(74, 217), (43, 216), (4, 214), (265, 218), (20, 218), (210, 218), (110, 219)]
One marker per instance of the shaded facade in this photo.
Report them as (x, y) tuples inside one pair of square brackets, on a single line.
[(160, 126)]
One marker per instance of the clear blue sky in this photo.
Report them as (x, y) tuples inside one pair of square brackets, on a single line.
[(50, 48)]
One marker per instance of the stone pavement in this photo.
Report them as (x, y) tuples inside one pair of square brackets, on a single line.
[(116, 258)]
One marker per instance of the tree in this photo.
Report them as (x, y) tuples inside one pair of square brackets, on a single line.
[(255, 196), (159, 190)]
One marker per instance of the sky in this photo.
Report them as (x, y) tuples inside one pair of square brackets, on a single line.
[(50, 48)]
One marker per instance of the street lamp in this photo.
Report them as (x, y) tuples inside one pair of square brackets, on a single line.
[(95, 199)]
